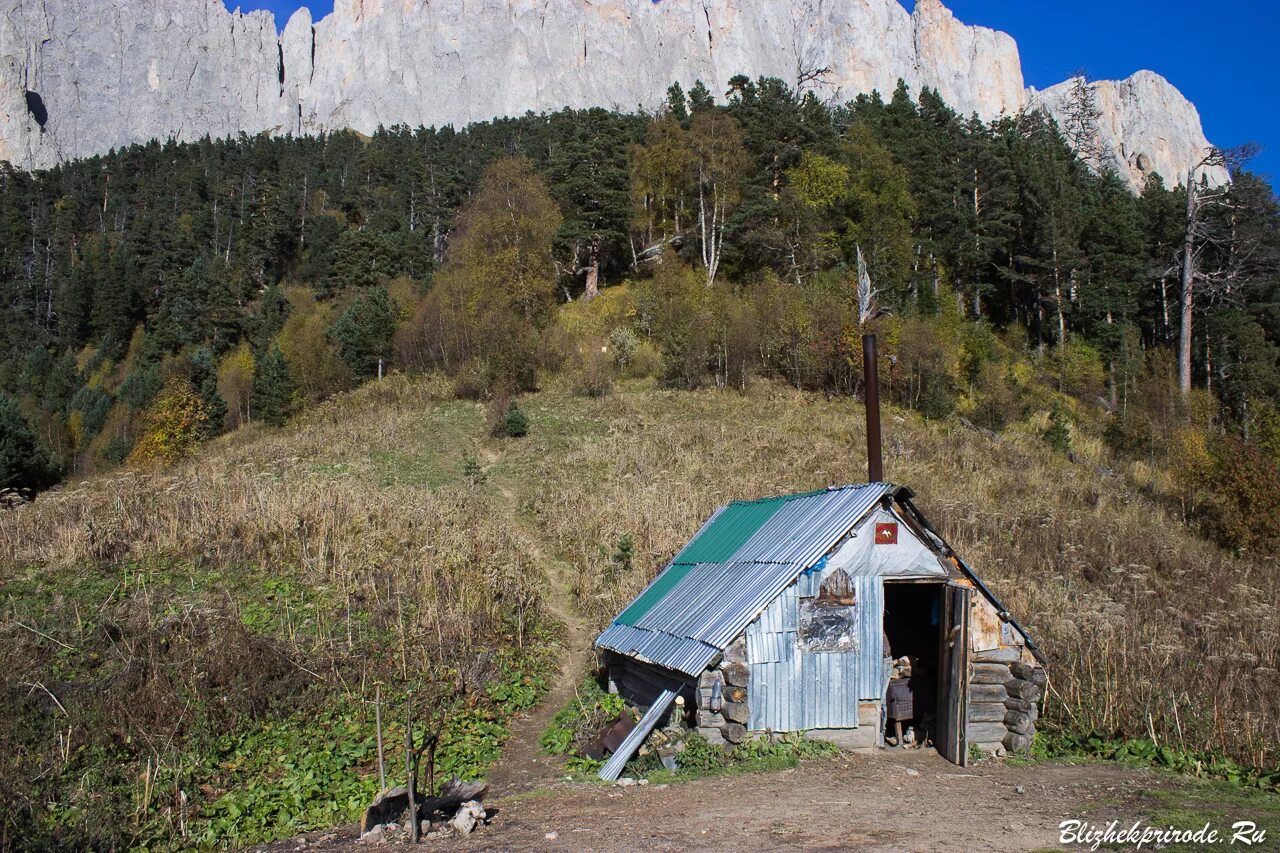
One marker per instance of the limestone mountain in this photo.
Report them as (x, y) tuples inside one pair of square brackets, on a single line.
[(82, 76)]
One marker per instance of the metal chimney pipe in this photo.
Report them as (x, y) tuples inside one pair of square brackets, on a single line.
[(871, 396)]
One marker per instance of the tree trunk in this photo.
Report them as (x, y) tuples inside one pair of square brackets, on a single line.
[(1188, 283), (593, 274)]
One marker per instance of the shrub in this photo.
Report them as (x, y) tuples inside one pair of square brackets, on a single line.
[(1244, 509), (594, 377), (173, 426)]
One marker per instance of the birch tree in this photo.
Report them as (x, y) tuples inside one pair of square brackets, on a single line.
[(720, 163)]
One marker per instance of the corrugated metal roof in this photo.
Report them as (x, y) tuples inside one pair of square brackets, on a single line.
[(698, 606), (679, 653), (731, 526)]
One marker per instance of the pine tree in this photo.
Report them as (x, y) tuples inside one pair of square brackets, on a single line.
[(363, 332), (23, 464), (1058, 434), (272, 389)]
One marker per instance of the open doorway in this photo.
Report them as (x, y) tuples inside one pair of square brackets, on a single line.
[(913, 615)]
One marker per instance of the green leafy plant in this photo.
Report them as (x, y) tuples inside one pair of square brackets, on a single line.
[(581, 719), (1203, 764)]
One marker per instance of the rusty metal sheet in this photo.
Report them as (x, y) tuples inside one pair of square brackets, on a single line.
[(984, 625)]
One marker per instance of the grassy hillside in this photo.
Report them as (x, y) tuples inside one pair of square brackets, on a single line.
[(192, 652)]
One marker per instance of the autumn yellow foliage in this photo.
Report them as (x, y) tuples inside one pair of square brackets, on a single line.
[(172, 426)]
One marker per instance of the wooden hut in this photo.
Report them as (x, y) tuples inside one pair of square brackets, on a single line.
[(787, 614)]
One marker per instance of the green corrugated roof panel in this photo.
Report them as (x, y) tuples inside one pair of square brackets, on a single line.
[(655, 593), (717, 542)]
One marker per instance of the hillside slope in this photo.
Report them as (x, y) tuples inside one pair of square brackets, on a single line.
[(180, 638)]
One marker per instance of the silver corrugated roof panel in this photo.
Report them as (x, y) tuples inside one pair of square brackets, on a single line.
[(613, 767), (712, 604), (806, 528), (659, 647)]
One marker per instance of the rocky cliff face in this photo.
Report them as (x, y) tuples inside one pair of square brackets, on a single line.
[(78, 77)]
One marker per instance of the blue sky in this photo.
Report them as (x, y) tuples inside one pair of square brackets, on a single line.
[(1221, 55)]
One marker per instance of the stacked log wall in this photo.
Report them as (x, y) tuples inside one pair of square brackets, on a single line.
[(641, 683), (1005, 685), (722, 700)]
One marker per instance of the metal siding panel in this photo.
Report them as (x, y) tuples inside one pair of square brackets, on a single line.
[(870, 678), (613, 767)]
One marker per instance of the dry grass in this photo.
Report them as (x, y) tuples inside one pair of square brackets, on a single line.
[(147, 615), (1150, 628), (287, 503)]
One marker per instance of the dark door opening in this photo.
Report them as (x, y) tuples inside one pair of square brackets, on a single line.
[(913, 616)]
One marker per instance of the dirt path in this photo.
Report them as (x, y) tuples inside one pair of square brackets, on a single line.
[(524, 766), (886, 801)]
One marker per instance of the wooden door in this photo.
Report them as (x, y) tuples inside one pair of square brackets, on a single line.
[(953, 675)]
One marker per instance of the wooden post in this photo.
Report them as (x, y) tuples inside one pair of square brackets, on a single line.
[(409, 768), (871, 396), (377, 718)]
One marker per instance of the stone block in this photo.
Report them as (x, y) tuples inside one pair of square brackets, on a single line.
[(861, 738)]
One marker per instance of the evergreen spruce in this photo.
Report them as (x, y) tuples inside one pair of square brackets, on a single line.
[(23, 464), (272, 399), (1058, 434)]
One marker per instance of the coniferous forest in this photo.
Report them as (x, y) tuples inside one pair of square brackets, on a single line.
[(157, 296)]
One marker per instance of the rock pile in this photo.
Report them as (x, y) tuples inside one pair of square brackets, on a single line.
[(457, 811)]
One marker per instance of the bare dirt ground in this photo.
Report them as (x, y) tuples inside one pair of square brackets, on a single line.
[(856, 802)]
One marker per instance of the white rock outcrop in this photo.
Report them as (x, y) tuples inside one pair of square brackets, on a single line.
[(78, 77), (1145, 126)]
